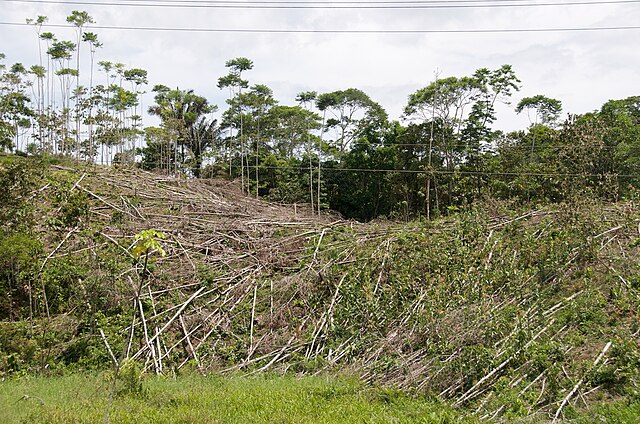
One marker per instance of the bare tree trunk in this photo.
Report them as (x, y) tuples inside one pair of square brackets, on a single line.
[(324, 115)]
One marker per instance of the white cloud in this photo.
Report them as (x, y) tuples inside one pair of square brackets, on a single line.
[(583, 69)]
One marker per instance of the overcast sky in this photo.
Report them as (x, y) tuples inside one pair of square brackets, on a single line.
[(582, 69)]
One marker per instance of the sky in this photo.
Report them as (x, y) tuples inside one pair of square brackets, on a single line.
[(583, 69)]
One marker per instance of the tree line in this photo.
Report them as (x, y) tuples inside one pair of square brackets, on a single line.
[(335, 150)]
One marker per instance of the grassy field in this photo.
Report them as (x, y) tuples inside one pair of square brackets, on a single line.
[(83, 398), (195, 399)]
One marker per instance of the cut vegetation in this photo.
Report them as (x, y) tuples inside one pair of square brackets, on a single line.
[(489, 314)]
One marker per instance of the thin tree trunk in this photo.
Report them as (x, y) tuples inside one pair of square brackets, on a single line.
[(310, 165), (428, 194), (257, 152), (324, 115), (91, 147), (78, 95)]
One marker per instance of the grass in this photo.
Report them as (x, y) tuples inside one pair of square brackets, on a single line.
[(613, 412), (195, 399)]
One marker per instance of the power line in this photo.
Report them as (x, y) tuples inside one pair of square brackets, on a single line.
[(440, 147), (213, 4), (340, 31), (369, 2), (509, 146), (326, 169)]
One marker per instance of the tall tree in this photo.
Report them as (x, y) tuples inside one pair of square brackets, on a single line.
[(250, 110), (234, 82), (49, 38), (40, 73), (15, 113), (497, 85), (79, 20), (462, 109), (353, 112), (94, 44), (545, 109), (446, 101), (157, 153), (306, 100), (620, 122), (185, 115), (137, 78), (61, 54)]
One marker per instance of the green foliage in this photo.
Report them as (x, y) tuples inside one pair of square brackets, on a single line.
[(186, 124), (18, 177), (131, 379), (18, 273), (71, 203), (196, 399), (148, 241), (18, 349), (546, 109), (64, 282)]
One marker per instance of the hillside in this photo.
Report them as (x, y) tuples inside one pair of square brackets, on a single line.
[(501, 312)]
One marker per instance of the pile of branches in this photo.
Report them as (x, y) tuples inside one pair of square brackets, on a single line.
[(498, 312)]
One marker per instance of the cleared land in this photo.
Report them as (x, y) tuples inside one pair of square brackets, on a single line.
[(500, 313)]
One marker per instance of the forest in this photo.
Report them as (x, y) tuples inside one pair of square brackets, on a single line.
[(337, 150), (311, 262)]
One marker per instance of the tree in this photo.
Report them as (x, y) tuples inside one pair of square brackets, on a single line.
[(353, 112), (495, 86), (462, 110), (158, 152), (234, 82), (137, 78), (620, 124), (122, 101), (94, 44), (444, 104), (360, 186), (79, 20), (249, 110), (15, 112), (60, 54), (546, 110), (289, 129), (445, 101), (146, 243), (306, 99), (40, 73), (185, 116)]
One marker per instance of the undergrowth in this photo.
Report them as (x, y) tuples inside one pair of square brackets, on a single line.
[(500, 312)]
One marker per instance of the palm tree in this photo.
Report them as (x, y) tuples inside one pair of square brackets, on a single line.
[(185, 114)]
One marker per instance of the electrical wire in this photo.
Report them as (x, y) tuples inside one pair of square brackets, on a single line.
[(326, 169), (341, 31), (304, 5), (371, 2), (538, 147)]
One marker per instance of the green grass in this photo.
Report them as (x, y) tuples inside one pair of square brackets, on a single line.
[(620, 412), (194, 399)]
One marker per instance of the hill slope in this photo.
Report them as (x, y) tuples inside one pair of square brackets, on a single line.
[(506, 313)]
